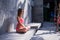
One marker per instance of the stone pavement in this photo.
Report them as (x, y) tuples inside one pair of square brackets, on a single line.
[(21, 36), (46, 35), (18, 36), (47, 32)]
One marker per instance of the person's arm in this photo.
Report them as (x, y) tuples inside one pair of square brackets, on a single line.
[(20, 22), (18, 19)]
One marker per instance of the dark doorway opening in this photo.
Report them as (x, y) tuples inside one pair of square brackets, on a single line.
[(48, 10)]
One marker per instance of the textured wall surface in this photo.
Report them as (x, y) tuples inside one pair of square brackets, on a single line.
[(8, 12), (37, 11), (27, 12)]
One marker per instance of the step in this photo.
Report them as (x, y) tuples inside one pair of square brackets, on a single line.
[(21, 36), (46, 35), (18, 36), (34, 25)]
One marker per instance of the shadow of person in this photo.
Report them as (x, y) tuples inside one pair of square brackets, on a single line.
[(4, 28)]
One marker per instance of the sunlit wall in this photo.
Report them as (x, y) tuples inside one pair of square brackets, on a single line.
[(8, 13)]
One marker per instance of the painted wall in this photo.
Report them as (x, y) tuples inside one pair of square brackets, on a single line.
[(37, 11), (27, 12), (8, 13), (26, 5)]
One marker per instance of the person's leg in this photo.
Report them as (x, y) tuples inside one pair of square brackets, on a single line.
[(21, 30), (57, 27), (27, 28)]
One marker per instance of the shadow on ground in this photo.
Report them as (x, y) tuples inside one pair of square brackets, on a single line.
[(37, 38)]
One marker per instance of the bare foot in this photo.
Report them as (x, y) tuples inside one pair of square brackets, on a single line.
[(27, 28)]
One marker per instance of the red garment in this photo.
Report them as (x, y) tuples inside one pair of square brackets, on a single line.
[(21, 20), (55, 19), (58, 20)]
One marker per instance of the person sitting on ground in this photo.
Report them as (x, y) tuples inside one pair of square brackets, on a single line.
[(58, 22), (20, 25)]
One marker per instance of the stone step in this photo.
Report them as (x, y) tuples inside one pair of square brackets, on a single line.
[(34, 25), (21, 36), (18, 36), (46, 35)]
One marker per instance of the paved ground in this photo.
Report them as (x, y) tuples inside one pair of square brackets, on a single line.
[(18, 36), (21, 36), (47, 32)]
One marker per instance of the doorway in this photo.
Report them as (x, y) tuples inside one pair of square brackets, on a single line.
[(48, 10)]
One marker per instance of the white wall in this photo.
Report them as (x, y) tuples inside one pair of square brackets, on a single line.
[(26, 5), (8, 13)]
